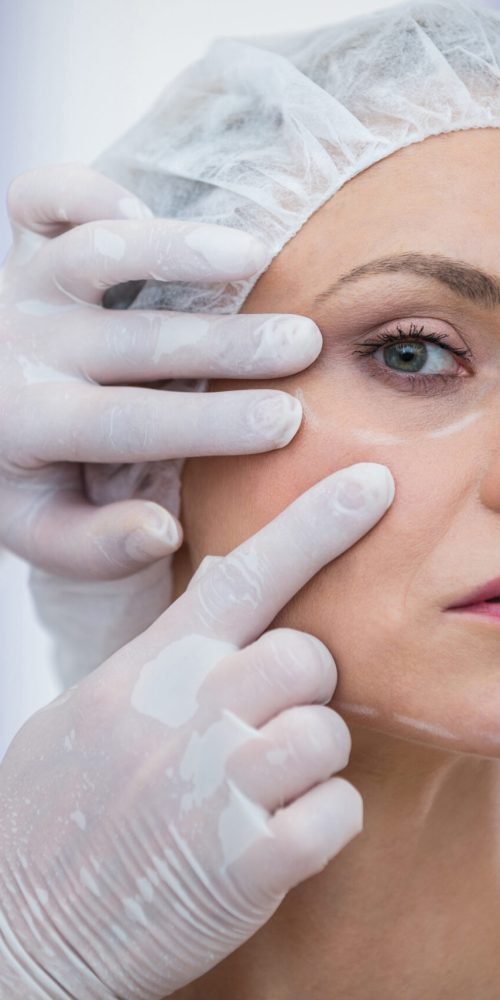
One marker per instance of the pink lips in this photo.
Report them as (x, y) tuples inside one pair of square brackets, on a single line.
[(476, 602)]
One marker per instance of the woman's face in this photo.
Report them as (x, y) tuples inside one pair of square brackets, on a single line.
[(429, 411)]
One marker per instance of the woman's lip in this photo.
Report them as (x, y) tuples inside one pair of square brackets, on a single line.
[(479, 596), (481, 608)]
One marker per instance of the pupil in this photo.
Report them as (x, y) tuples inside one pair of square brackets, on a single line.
[(406, 357)]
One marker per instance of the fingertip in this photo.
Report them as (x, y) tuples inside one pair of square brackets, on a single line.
[(378, 480), (352, 810), (353, 805), (207, 563), (364, 488), (259, 253), (232, 252), (391, 486), (159, 535), (295, 420), (310, 337), (159, 520), (272, 418)]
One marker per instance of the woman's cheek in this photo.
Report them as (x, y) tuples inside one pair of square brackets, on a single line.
[(228, 499), (238, 495)]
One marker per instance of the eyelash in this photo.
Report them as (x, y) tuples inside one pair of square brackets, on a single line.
[(426, 383)]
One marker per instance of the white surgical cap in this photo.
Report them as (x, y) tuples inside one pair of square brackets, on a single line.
[(260, 132)]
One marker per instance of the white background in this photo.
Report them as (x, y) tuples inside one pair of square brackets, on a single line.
[(74, 75)]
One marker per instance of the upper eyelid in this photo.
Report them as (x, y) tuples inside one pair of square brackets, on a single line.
[(368, 316), (424, 326), (383, 337)]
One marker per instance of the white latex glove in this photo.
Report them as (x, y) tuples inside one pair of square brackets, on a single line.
[(154, 816), (62, 357)]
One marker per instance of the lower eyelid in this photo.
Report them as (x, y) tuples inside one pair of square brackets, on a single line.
[(437, 384)]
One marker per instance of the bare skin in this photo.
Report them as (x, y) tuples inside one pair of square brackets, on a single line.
[(409, 909)]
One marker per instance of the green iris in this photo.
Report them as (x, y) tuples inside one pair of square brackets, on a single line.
[(410, 357)]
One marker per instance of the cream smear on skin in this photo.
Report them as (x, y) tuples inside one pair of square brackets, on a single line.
[(370, 436), (377, 437), (309, 414)]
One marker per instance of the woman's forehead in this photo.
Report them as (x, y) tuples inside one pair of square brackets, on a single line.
[(405, 204)]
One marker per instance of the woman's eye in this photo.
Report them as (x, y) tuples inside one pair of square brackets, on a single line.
[(417, 358)]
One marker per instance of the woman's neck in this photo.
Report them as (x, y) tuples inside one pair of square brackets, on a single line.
[(409, 908)]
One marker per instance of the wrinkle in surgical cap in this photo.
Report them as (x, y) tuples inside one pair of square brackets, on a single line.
[(262, 131)]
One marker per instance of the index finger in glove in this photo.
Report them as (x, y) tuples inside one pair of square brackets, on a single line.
[(47, 198), (239, 596), (97, 255)]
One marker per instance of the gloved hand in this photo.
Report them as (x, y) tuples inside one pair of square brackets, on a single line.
[(63, 433), (154, 816), (62, 357)]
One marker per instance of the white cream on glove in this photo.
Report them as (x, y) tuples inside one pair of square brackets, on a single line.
[(154, 816)]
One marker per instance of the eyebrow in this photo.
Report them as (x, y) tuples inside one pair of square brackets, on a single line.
[(462, 278)]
